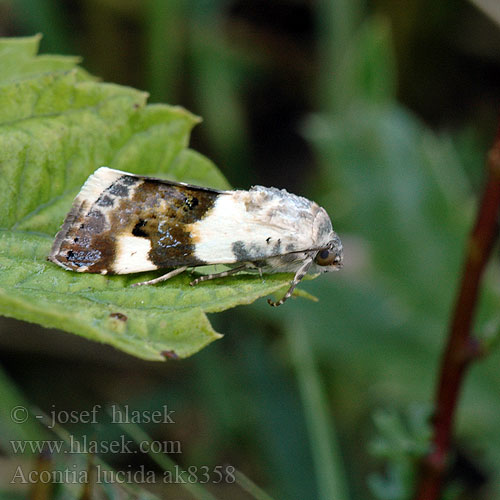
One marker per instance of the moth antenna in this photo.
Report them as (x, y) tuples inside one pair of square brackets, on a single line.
[(213, 276), (301, 272), (164, 277)]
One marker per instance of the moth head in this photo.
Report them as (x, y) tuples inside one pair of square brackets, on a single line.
[(331, 257)]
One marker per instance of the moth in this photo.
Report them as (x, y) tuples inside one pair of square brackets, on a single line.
[(123, 223)]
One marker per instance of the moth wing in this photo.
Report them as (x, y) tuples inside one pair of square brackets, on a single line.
[(123, 223), (249, 226)]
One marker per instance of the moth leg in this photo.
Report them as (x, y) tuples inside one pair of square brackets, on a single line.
[(164, 277), (301, 272), (223, 274)]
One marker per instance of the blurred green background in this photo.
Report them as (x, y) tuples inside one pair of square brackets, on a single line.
[(381, 111)]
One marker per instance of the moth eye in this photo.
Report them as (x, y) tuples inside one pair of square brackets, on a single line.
[(325, 257)]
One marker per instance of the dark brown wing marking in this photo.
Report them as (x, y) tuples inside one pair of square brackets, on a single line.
[(164, 212), (133, 206)]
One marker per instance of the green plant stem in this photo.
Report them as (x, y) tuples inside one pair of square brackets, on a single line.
[(462, 347), (134, 490), (164, 42), (165, 462), (337, 21), (250, 487), (322, 436)]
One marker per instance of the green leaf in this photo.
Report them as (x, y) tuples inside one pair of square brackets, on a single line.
[(18, 60), (57, 125)]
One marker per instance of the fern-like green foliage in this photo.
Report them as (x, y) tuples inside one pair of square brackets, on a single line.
[(57, 125)]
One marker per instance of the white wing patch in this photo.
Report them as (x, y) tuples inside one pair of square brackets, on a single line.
[(252, 225), (132, 255)]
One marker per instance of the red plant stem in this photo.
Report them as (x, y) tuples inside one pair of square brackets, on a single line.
[(462, 347)]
